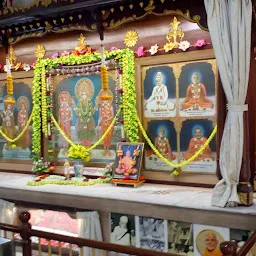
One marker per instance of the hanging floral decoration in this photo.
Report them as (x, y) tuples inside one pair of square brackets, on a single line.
[(153, 50), (127, 90), (9, 83), (9, 78), (36, 145), (140, 51), (174, 41), (201, 42)]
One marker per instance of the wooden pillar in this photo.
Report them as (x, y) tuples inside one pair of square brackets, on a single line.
[(245, 190), (228, 248), (24, 233)]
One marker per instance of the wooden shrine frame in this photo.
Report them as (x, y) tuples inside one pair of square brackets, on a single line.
[(186, 178)]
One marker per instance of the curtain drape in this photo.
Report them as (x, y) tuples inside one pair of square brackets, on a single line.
[(7, 214), (89, 227), (229, 23)]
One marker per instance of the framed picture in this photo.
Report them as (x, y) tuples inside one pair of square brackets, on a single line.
[(207, 239), (123, 231), (128, 161), (152, 234), (13, 120), (180, 238), (179, 107), (82, 124)]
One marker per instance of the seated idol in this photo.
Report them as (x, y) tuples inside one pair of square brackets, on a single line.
[(158, 101), (196, 96), (126, 164), (195, 144), (163, 146)]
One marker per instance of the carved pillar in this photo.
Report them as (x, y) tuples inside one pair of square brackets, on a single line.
[(245, 190), (24, 233), (228, 248)]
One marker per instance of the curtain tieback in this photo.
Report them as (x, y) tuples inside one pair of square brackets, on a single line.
[(237, 107)]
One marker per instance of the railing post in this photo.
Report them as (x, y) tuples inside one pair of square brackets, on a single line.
[(25, 227), (228, 248)]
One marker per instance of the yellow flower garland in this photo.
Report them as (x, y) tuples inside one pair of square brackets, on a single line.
[(21, 134), (96, 143), (104, 77), (9, 83), (165, 160), (44, 103)]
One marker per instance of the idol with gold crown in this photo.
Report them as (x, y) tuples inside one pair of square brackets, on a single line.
[(85, 110)]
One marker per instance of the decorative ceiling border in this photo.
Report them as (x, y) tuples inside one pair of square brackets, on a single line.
[(112, 18), (37, 34), (150, 10), (36, 3)]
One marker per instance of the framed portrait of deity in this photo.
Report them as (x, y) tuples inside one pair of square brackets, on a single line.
[(15, 112), (83, 116), (179, 110), (128, 161)]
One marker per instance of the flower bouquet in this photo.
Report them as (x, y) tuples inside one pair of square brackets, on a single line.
[(78, 154)]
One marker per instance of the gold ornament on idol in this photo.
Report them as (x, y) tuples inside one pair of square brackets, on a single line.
[(131, 38)]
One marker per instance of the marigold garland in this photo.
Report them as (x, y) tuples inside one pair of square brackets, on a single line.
[(104, 77), (9, 83), (165, 160)]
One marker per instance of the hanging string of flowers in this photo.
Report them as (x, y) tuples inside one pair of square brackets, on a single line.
[(36, 145), (44, 103), (96, 143), (165, 160), (129, 96), (22, 132), (49, 90)]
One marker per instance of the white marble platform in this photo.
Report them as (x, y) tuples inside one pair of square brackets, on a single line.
[(171, 202)]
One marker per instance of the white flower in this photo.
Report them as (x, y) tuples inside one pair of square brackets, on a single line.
[(153, 50), (184, 45), (26, 67)]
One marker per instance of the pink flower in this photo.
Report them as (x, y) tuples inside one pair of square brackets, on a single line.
[(140, 52), (200, 43), (1, 66), (113, 48), (65, 53), (55, 55)]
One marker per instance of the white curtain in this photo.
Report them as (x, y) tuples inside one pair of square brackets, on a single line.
[(229, 23), (7, 214), (89, 227)]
